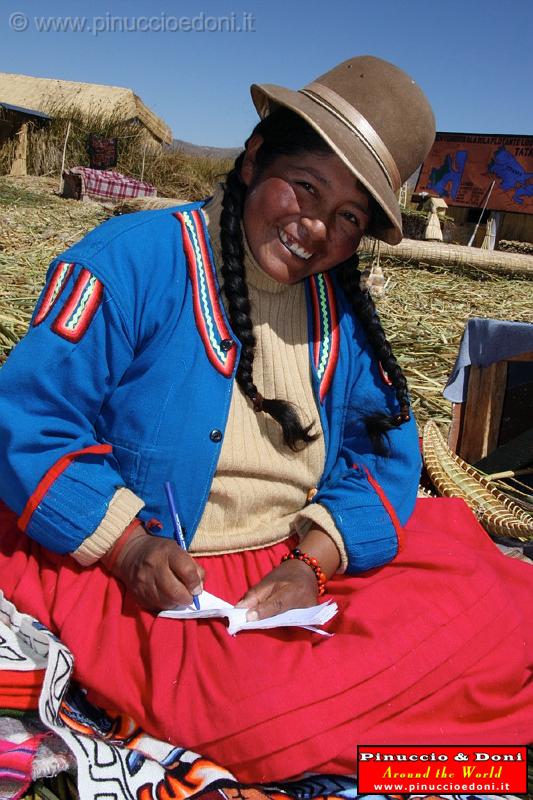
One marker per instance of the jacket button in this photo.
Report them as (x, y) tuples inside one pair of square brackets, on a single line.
[(215, 435), (226, 344), (310, 494)]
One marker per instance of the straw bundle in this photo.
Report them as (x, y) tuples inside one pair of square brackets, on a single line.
[(453, 477), (455, 255)]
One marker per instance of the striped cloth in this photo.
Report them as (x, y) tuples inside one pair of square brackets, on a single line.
[(16, 757)]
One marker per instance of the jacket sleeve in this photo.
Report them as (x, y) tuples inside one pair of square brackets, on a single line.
[(369, 497), (56, 475)]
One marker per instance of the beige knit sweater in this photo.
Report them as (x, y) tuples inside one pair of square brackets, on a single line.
[(260, 488), (259, 492)]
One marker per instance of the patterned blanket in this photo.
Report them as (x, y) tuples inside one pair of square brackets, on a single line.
[(107, 185)]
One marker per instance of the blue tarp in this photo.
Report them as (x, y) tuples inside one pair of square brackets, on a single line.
[(485, 341)]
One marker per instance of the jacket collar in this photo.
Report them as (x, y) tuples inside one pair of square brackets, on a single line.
[(210, 316)]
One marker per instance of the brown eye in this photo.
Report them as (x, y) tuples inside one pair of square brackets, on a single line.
[(307, 186), (351, 218)]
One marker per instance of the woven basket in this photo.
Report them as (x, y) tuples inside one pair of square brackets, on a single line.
[(453, 477)]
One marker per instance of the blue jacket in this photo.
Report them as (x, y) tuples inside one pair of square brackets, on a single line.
[(125, 376)]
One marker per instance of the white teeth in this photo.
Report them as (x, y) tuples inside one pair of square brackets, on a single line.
[(291, 245)]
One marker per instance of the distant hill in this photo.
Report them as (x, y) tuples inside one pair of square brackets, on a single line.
[(203, 151)]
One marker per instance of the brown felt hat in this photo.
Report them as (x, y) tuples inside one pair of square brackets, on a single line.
[(377, 120)]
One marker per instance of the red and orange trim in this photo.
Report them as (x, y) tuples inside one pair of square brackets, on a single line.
[(208, 312), (52, 475), (326, 333), (387, 505), (81, 306), (56, 284)]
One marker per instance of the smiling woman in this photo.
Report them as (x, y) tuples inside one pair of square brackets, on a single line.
[(304, 213), (227, 346)]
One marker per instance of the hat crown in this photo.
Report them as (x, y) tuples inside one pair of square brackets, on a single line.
[(374, 117), (402, 119)]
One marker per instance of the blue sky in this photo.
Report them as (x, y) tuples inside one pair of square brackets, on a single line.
[(474, 58)]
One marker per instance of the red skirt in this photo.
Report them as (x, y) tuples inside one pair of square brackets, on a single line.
[(436, 647)]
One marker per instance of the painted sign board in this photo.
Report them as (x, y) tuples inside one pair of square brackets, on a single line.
[(467, 168)]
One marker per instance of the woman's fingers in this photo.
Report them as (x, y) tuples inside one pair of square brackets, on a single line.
[(186, 569), (275, 603), (169, 590), (250, 599), (174, 575), (288, 586), (158, 572), (256, 598)]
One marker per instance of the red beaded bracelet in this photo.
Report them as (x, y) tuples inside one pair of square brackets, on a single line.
[(111, 557), (311, 562)]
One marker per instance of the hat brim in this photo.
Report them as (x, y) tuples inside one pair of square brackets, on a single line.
[(351, 150)]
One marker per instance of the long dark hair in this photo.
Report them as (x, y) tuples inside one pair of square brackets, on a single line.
[(285, 133)]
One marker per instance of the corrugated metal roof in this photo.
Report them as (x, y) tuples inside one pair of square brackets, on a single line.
[(29, 111), (46, 94)]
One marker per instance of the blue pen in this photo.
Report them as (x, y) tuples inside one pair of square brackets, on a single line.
[(178, 533)]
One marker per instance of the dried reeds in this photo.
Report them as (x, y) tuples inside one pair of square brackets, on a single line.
[(473, 259), (35, 226)]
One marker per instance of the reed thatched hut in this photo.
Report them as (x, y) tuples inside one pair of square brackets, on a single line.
[(54, 97), (14, 124)]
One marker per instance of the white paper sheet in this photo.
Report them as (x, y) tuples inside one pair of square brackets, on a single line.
[(212, 606)]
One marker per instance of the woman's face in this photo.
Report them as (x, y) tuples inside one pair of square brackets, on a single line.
[(303, 214)]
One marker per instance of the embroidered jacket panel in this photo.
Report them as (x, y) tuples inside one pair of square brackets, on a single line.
[(130, 347)]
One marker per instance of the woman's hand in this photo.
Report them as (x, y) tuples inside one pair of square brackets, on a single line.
[(158, 572), (291, 585)]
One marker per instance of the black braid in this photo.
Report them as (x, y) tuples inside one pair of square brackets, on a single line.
[(235, 288), (377, 424), (285, 133)]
